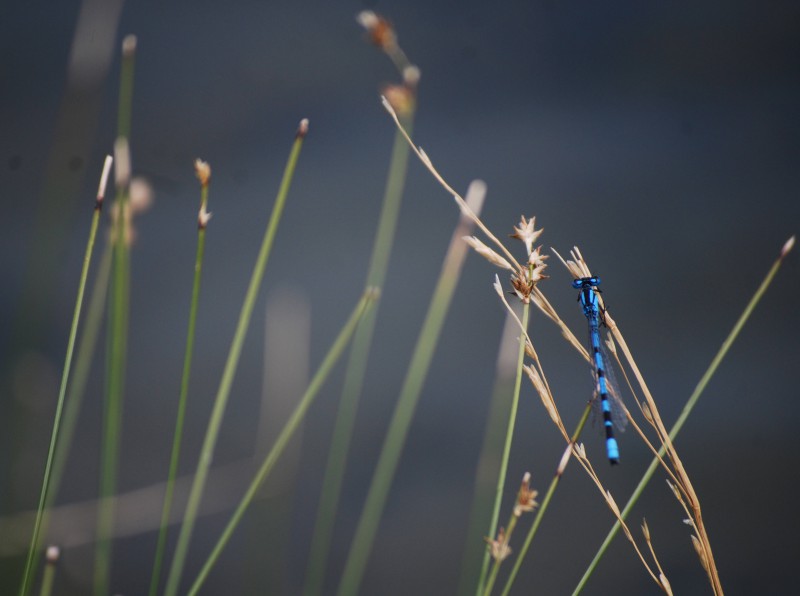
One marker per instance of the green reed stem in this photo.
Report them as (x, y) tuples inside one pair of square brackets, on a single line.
[(397, 433), (27, 578), (356, 370), (687, 409), (221, 400), (337, 349), (181, 414), (489, 459), (501, 477), (117, 333), (115, 384), (545, 503)]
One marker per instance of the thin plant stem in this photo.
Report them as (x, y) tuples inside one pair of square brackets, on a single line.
[(27, 577), (489, 458), (221, 400), (115, 383), (117, 329), (184, 392), (397, 433), (501, 476), (356, 370), (687, 410), (333, 356), (523, 551), (76, 388)]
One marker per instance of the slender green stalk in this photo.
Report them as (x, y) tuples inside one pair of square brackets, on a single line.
[(187, 369), (501, 477), (545, 502), (406, 404), (356, 369), (489, 459), (117, 333), (73, 333), (115, 384), (687, 410), (221, 400), (336, 351)]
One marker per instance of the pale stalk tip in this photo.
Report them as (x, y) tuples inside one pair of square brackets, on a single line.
[(787, 247), (367, 19), (122, 159), (129, 45), (476, 193), (101, 188), (52, 554), (411, 75), (302, 128), (203, 171)]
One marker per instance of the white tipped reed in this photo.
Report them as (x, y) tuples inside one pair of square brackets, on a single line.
[(101, 188), (302, 128), (787, 247)]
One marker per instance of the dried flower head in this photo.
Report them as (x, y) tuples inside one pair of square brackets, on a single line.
[(499, 547), (536, 262), (522, 285), (203, 171), (379, 30), (525, 497), (400, 97), (526, 233)]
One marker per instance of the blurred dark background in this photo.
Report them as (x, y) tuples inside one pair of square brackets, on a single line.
[(661, 138)]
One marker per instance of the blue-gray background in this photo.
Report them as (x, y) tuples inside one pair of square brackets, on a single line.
[(660, 138)]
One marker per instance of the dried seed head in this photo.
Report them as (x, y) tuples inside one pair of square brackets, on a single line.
[(525, 497), (379, 30), (526, 233), (522, 286), (499, 547), (645, 530), (487, 253), (536, 262), (203, 171), (400, 97)]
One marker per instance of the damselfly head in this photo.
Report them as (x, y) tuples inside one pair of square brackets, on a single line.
[(586, 282)]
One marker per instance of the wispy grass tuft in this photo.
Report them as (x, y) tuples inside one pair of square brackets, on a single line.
[(203, 173), (221, 400)]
